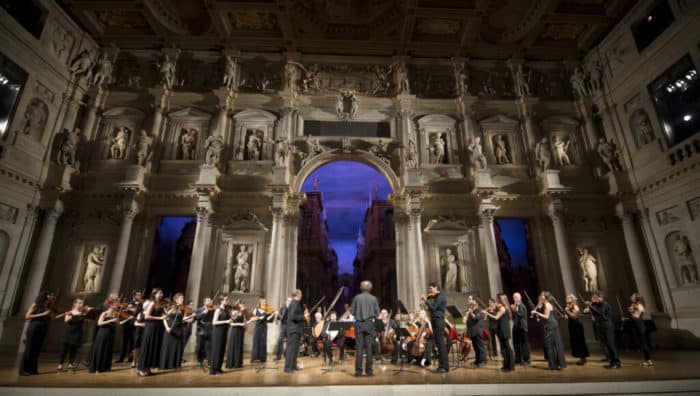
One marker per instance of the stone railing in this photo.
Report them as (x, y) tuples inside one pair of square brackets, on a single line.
[(684, 151)]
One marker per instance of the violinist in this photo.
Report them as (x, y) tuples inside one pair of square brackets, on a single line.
[(636, 310), (203, 316), (171, 350), (220, 323), (128, 329), (154, 314), (474, 318), (601, 312), (436, 303), (139, 326), (394, 324), (576, 335), (296, 319), (234, 355), (262, 314), (101, 351), (39, 315), (187, 320), (502, 320), (490, 312), (521, 346), (553, 346), (282, 316), (73, 332)]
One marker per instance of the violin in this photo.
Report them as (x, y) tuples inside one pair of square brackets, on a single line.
[(57, 309), (268, 309), (185, 309), (432, 295)]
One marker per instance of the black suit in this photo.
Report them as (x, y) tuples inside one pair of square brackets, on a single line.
[(283, 332), (606, 330), (520, 343), (437, 307), (295, 328), (475, 330), (365, 309)]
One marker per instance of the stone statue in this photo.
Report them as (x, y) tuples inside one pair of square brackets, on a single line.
[(578, 83), (253, 147), (683, 257), (520, 80), (436, 151), (314, 146), (144, 148), (449, 262), (381, 82), (69, 146), (543, 154), (93, 269), (381, 150), (346, 105), (595, 75), (609, 154), (401, 78), (291, 74), (501, 150), (461, 78), (476, 154), (214, 145), (309, 79), (281, 150), (230, 73), (103, 73), (81, 66), (346, 145), (117, 149), (167, 72), (242, 275), (188, 143), (36, 116), (560, 147), (642, 126), (589, 268), (412, 155)]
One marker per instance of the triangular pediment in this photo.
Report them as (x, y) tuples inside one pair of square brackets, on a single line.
[(498, 119), (123, 112), (446, 224), (190, 113)]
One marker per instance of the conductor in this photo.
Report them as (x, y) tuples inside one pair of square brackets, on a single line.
[(365, 309)]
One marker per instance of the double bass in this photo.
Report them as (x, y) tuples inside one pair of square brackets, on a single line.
[(386, 347)]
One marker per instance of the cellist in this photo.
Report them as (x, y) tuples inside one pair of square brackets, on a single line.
[(420, 346), (436, 303)]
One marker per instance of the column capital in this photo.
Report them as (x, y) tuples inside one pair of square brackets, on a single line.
[(487, 212), (555, 210)]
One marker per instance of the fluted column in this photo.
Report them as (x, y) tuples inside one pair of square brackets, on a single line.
[(40, 259), (637, 259), (525, 112), (555, 213), (202, 238), (402, 254), (416, 256), (274, 274), (487, 239), (130, 211), (88, 125)]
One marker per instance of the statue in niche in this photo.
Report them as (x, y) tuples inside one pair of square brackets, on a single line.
[(314, 146), (228, 267), (230, 73), (381, 82), (381, 150), (253, 146), (682, 255), (578, 83), (346, 105), (309, 79), (214, 145), (560, 151), (94, 262), (167, 72), (476, 154), (436, 151), (595, 75), (117, 148), (609, 154), (81, 66), (68, 147), (412, 155), (642, 126), (501, 150), (543, 154), (103, 73), (487, 88), (589, 268), (461, 78), (291, 74), (242, 275), (401, 78), (188, 143), (520, 80), (36, 116), (449, 265), (281, 151), (144, 148)]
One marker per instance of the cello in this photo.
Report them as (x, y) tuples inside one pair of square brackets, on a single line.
[(421, 339), (386, 347)]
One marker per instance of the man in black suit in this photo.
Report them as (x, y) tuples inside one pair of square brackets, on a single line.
[(475, 330), (601, 312), (520, 343), (365, 309), (282, 314), (436, 305), (295, 327)]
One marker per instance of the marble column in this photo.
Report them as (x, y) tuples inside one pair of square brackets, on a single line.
[(555, 213), (274, 274), (416, 261), (40, 259), (525, 111), (663, 275), (588, 125), (88, 125), (402, 254), (128, 214), (489, 249), (637, 259), (202, 237)]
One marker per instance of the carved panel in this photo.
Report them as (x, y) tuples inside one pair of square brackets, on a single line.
[(8, 213), (669, 215)]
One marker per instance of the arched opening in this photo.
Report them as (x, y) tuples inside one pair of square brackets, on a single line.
[(346, 233)]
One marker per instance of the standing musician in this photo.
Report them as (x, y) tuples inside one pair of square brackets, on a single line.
[(204, 316), (636, 310), (600, 311), (73, 332), (474, 319), (502, 320), (128, 329), (365, 309), (39, 315), (282, 316), (553, 346), (577, 339), (490, 311), (262, 314), (296, 319), (436, 303), (220, 324), (521, 346)]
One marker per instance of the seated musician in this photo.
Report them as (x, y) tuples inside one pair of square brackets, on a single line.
[(421, 353), (329, 336), (395, 323)]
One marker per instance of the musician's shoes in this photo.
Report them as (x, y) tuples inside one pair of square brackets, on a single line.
[(507, 370), (370, 374), (441, 371), (340, 361), (648, 363), (358, 374), (423, 362), (288, 371), (613, 366)]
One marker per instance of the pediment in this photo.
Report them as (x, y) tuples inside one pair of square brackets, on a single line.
[(244, 221), (447, 224), (254, 115), (499, 119), (560, 121), (123, 112), (436, 120), (190, 113)]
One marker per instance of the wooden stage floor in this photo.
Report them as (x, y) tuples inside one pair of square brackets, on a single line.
[(668, 365)]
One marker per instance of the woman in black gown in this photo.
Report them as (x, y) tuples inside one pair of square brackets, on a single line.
[(234, 356), (39, 315), (101, 352), (220, 324), (149, 353), (639, 327), (554, 348), (502, 318), (171, 351), (73, 333), (261, 315), (576, 336), (139, 326)]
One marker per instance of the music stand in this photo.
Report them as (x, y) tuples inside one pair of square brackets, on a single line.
[(401, 334), (402, 308)]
